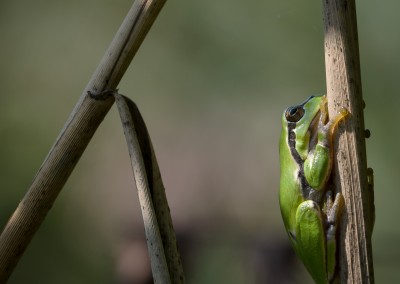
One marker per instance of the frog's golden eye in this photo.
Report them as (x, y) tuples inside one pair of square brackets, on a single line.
[(294, 113)]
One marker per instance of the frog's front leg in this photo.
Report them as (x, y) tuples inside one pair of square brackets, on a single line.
[(318, 165), (309, 240)]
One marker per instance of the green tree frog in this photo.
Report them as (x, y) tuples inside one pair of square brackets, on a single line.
[(310, 212)]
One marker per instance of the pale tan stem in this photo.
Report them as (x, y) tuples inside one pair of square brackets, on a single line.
[(350, 168)]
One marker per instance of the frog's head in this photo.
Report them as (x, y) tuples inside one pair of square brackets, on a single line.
[(302, 119)]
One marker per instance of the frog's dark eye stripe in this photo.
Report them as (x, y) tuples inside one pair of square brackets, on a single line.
[(294, 113), (305, 187)]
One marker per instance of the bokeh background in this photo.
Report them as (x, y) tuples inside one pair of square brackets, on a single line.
[(211, 80)]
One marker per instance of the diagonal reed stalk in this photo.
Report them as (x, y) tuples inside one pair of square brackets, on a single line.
[(75, 136)]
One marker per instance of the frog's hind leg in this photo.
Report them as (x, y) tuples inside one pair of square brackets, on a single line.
[(310, 240)]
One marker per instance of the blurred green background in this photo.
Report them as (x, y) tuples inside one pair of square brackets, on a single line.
[(211, 80)]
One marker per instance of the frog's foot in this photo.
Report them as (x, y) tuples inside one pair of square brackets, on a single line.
[(328, 126), (333, 123), (333, 212)]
